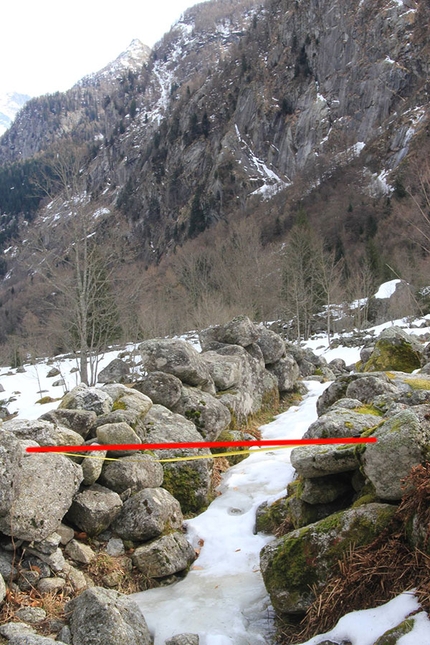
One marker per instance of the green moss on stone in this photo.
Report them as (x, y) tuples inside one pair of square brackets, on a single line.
[(183, 482), (387, 356), (392, 636), (119, 405)]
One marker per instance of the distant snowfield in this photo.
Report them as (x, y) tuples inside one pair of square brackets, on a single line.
[(223, 597)]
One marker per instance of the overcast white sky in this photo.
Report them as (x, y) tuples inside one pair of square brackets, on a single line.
[(48, 45)]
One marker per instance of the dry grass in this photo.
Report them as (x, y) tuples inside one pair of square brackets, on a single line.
[(374, 574)]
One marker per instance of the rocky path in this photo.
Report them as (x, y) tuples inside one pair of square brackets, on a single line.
[(223, 598)]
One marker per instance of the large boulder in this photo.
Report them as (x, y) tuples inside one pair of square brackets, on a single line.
[(164, 556), (81, 421), (116, 372), (318, 461), (341, 423), (132, 473), (256, 384), (147, 514), (106, 617), (128, 399), (161, 388), (188, 481), (177, 357), (395, 350), (83, 397), (286, 372), (117, 433), (239, 331), (43, 432), (271, 345), (403, 442), (36, 490), (208, 414), (225, 370), (298, 564), (94, 509)]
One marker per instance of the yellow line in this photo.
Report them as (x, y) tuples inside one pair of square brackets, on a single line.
[(174, 459)]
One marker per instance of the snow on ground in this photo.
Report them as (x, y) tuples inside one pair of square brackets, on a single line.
[(223, 598), (366, 626)]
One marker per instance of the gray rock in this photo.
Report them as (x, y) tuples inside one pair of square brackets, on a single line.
[(132, 473), (117, 433), (31, 615), (286, 371), (60, 383), (224, 370), (323, 490), (395, 350), (116, 372), (36, 490), (94, 509), (189, 481), (183, 639), (208, 414), (271, 345), (128, 399), (79, 552), (316, 461), (255, 386), (177, 357), (65, 635), (55, 561), (92, 465), (66, 533), (164, 556), (298, 564), (83, 397), (49, 545), (2, 589), (77, 579), (9, 630), (115, 547), (367, 388), (7, 568), (147, 514), (239, 331), (341, 423), (161, 388), (81, 421), (43, 432), (54, 371), (403, 442), (105, 617), (30, 639), (51, 585)]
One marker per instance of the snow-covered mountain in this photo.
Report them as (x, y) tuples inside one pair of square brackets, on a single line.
[(10, 104)]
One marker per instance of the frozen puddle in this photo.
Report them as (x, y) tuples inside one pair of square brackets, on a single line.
[(223, 598)]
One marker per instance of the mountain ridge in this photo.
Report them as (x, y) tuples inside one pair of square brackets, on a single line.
[(243, 111)]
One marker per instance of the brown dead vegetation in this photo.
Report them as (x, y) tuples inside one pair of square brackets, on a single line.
[(371, 576)]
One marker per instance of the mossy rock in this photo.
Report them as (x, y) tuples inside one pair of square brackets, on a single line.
[(187, 483), (394, 350), (299, 563), (392, 636)]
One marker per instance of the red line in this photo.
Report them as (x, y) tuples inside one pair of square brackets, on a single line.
[(203, 444)]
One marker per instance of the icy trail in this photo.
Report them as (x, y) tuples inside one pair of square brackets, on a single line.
[(223, 598)]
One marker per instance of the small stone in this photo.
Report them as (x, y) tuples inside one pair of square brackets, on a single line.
[(49, 545), (9, 630), (79, 552), (115, 547), (66, 534), (31, 615), (77, 579), (183, 639), (51, 585), (112, 579)]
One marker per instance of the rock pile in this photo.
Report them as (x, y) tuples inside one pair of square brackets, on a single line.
[(58, 510), (345, 495)]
